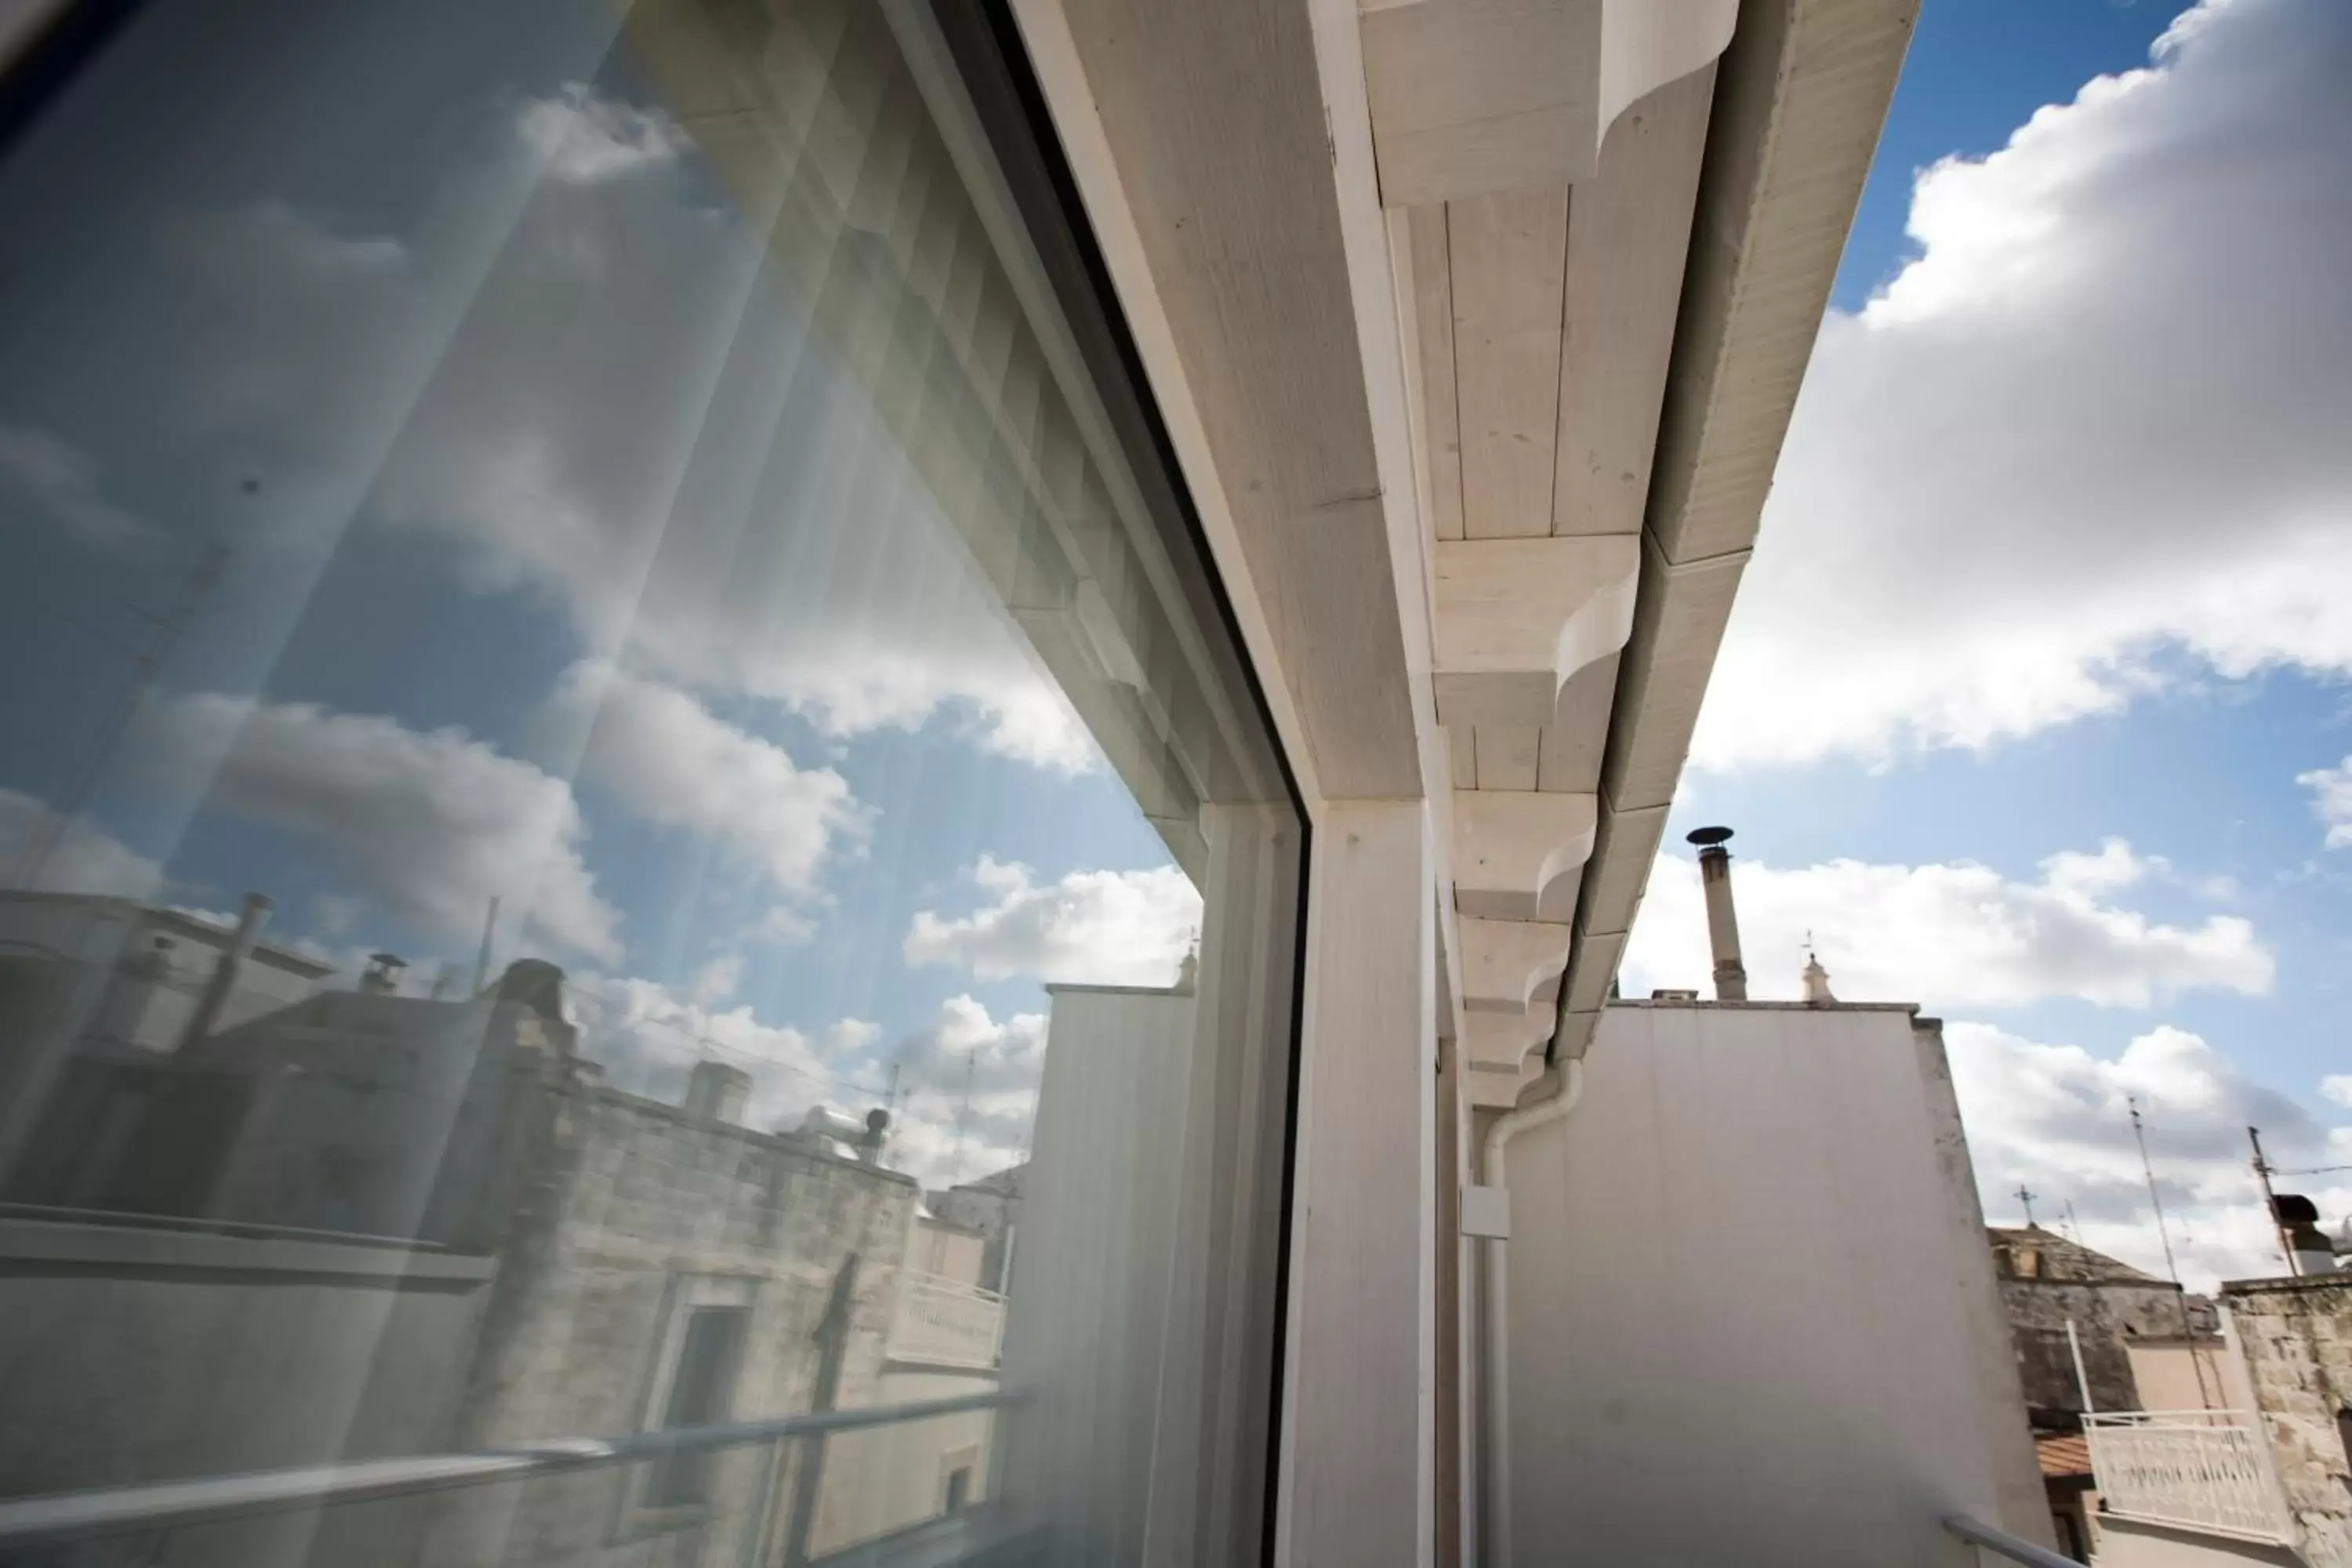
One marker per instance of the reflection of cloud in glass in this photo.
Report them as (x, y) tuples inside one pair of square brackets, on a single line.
[(1103, 928), (967, 1095), (672, 762), (647, 1037), (573, 363), (41, 852), (61, 485), (633, 421), (715, 980), (583, 138), (965, 1084), (435, 825)]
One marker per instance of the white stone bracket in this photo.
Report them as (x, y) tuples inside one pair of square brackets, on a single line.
[(1516, 617), (1512, 969), (1500, 1059), (1517, 853), (1471, 96)]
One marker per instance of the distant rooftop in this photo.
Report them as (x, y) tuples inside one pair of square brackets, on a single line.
[(2061, 1261), (2062, 1455), (186, 923), (1009, 1180)]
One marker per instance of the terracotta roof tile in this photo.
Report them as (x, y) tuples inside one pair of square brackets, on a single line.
[(2063, 1454)]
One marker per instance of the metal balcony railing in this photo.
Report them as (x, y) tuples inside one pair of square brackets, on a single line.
[(2002, 1545), (2196, 1470), (159, 1507)]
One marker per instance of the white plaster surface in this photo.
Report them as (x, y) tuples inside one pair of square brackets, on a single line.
[(1753, 1317)]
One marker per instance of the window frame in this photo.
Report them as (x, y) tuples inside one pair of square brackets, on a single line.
[(644, 1511), (983, 46)]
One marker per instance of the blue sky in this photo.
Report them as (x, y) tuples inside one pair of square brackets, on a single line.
[(2048, 566), (1978, 69)]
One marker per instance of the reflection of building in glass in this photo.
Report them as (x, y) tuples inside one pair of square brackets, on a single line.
[(349, 1225), (1092, 1324), (164, 959), (990, 1209)]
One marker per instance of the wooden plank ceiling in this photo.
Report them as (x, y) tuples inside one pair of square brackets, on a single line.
[(1541, 320)]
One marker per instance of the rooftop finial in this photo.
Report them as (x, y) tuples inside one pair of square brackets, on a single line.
[(1817, 979)]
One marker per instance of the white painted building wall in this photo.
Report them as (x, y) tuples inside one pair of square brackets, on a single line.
[(2175, 1374), (1753, 1315), (152, 991), (1087, 1324)]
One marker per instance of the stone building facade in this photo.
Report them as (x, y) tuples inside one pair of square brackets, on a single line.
[(640, 1219), (990, 1208), (546, 1258), (2047, 1281), (2295, 1336)]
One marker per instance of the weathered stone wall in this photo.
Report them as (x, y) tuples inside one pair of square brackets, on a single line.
[(386, 1115), (2296, 1336), (2105, 1313), (639, 1214), (579, 1226)]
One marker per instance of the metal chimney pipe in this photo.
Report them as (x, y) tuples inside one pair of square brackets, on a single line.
[(1722, 923), (202, 1022)]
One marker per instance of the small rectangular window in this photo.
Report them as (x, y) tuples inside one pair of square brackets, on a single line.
[(700, 1394)]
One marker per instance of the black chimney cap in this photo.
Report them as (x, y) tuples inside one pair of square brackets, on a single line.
[(1708, 837), (2293, 1208)]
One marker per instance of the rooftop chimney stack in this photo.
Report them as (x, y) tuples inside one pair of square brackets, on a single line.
[(222, 984), (1722, 924), (718, 1091)]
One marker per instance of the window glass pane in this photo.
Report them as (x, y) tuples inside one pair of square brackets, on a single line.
[(701, 1391), (624, 808)]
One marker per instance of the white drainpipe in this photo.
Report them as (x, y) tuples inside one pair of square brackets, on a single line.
[(1499, 1312)]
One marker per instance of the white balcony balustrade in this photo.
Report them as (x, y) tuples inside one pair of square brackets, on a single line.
[(945, 1322), (2197, 1469)]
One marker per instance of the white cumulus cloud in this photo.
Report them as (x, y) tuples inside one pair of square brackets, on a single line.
[(2100, 418), (436, 825), (583, 137), (1108, 927), (715, 980), (647, 1038), (2331, 801), (638, 423), (40, 850), (673, 762), (968, 1092), (60, 483), (2057, 1120), (1947, 935), (577, 375), (962, 1085)]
